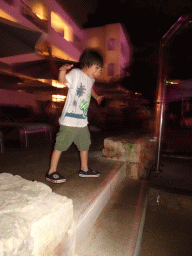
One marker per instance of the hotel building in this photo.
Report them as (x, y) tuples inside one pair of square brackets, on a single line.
[(66, 38)]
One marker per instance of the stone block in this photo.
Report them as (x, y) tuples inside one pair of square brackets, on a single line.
[(34, 221), (137, 152)]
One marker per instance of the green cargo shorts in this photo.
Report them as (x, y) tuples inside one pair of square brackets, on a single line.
[(67, 135)]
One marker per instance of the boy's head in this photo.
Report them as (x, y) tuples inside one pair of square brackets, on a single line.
[(90, 57)]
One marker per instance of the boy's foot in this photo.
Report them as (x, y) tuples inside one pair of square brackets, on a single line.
[(55, 177), (90, 173)]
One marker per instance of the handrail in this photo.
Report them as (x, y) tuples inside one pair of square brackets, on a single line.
[(175, 29), (178, 25)]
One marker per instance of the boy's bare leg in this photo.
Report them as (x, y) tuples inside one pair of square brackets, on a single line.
[(84, 160), (54, 160), (85, 172)]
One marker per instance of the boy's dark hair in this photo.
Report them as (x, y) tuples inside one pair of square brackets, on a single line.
[(90, 57)]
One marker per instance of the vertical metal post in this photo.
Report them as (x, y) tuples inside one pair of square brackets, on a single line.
[(160, 108)]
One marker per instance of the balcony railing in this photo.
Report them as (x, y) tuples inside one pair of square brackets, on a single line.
[(28, 14)]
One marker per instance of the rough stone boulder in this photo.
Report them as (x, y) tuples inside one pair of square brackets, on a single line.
[(138, 151), (34, 221)]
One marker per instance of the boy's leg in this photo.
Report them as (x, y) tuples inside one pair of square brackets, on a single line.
[(64, 139), (84, 160), (54, 160), (83, 141), (52, 175), (85, 171)]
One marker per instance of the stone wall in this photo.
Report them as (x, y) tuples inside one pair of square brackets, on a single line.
[(34, 221), (138, 151)]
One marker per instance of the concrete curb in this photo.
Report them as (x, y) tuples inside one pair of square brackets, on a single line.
[(133, 248), (97, 203)]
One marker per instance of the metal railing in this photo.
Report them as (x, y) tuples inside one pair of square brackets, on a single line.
[(179, 25)]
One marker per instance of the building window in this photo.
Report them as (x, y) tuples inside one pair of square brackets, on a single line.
[(111, 44), (60, 26), (111, 69)]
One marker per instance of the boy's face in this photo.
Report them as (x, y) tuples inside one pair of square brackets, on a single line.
[(93, 71)]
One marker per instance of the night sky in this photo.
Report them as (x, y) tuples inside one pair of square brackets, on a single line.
[(146, 21)]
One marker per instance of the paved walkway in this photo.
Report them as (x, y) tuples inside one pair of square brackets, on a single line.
[(162, 224), (168, 224), (33, 162)]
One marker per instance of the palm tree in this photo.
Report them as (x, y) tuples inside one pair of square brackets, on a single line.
[(80, 92)]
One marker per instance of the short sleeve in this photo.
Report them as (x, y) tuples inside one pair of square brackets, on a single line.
[(71, 77)]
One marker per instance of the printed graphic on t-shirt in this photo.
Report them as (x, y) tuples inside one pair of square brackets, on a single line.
[(80, 104)]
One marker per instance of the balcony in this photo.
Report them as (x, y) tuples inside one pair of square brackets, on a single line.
[(27, 12)]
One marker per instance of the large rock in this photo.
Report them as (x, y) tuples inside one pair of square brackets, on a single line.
[(34, 221), (137, 151)]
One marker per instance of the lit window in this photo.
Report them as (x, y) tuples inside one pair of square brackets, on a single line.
[(111, 44), (55, 83), (111, 69), (61, 27), (58, 98), (40, 10)]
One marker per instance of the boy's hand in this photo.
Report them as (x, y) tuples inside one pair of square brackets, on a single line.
[(62, 74), (99, 99), (66, 67)]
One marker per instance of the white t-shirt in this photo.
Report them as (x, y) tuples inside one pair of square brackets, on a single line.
[(78, 98)]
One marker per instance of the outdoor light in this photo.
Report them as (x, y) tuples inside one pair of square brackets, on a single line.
[(173, 81), (55, 83), (58, 98)]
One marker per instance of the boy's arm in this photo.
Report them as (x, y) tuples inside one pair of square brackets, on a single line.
[(62, 73), (96, 97)]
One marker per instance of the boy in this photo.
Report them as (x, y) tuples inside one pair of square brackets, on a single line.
[(73, 120)]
